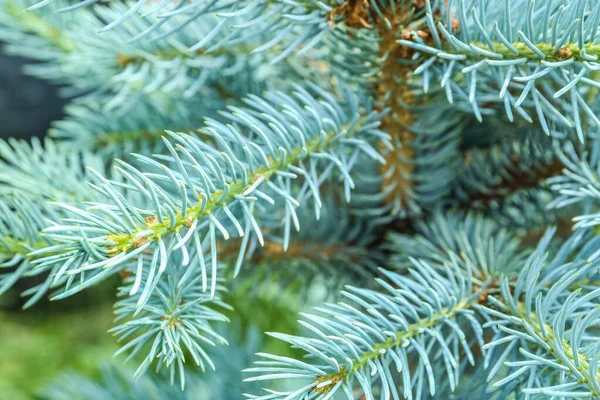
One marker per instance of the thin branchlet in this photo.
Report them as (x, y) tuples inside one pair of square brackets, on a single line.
[(401, 339), (126, 242)]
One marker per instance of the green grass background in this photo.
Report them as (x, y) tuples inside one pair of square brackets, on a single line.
[(37, 344)]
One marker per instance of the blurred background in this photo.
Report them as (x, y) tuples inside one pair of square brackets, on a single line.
[(38, 344), (27, 105)]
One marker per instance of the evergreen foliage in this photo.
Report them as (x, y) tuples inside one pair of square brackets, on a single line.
[(427, 168)]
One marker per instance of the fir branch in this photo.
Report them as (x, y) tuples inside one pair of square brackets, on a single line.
[(157, 229), (21, 220), (115, 70), (173, 314), (579, 181), (229, 28), (29, 177), (412, 332), (347, 340), (386, 328), (551, 326), (217, 196), (499, 47)]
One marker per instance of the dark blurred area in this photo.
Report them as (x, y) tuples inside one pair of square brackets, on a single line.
[(27, 105), (38, 344)]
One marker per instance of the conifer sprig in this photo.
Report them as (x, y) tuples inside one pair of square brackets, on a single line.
[(356, 347), (258, 157), (173, 319), (21, 221), (579, 179), (436, 318), (107, 67), (499, 46), (30, 176)]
